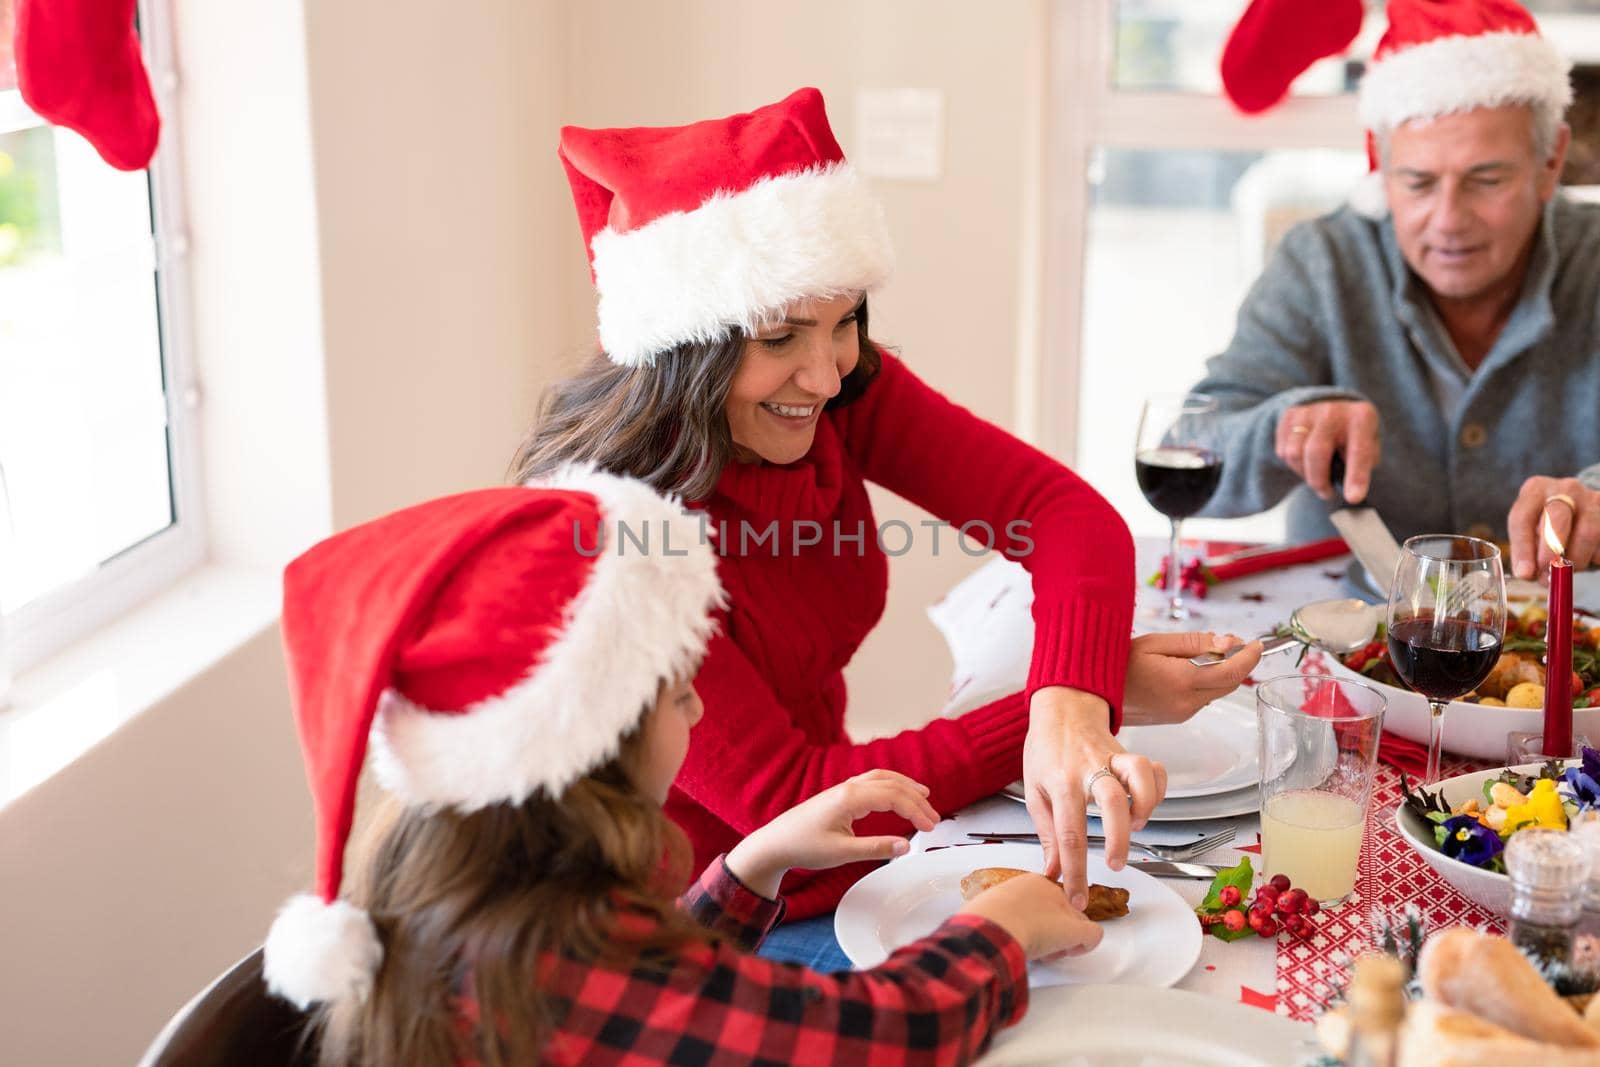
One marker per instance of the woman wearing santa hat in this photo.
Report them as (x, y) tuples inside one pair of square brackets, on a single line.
[(732, 260), (527, 703)]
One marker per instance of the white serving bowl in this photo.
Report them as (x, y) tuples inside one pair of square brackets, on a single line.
[(1476, 730), (1491, 890)]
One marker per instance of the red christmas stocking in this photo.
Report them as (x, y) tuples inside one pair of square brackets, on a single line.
[(1276, 40), (79, 66)]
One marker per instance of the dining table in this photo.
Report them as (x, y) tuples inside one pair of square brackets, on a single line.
[(1294, 978)]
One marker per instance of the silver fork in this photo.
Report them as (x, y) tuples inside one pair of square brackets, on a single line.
[(1170, 853)]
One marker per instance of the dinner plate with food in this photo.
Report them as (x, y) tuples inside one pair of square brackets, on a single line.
[(1510, 699), (1151, 937)]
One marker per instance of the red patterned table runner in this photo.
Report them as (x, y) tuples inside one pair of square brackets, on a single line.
[(1391, 879)]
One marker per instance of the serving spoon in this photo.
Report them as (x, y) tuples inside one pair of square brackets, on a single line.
[(1335, 626)]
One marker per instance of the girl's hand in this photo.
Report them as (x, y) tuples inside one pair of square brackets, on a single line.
[(1069, 740), (818, 833), (1164, 687), (1033, 910)]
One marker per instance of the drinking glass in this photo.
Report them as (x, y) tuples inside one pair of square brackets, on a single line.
[(1318, 745), (1447, 618), (1178, 470)]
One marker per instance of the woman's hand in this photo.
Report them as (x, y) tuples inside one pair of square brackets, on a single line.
[(817, 833), (1069, 739), (1164, 687), (1033, 910)]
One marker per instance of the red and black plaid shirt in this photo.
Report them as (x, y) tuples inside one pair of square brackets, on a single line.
[(936, 1001)]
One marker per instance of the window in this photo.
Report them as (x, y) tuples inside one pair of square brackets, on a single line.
[(97, 502), (1168, 203)]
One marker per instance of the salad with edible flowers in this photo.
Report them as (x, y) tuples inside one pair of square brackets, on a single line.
[(1476, 831)]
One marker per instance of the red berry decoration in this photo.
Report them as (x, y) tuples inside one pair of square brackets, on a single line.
[(1233, 919), (1267, 928), (1267, 895), (1280, 882), (1229, 896), (1292, 902), (1312, 907)]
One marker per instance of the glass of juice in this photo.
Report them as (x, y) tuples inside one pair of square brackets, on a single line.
[(1318, 739)]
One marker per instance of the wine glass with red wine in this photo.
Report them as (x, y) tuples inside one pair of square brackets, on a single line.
[(1447, 618), (1178, 470)]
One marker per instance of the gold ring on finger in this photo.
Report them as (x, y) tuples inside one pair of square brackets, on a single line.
[(1300, 428), (1561, 498)]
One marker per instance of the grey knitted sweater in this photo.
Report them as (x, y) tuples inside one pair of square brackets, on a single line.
[(1338, 314)]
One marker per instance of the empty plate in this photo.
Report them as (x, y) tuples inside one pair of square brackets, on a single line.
[(1213, 752)]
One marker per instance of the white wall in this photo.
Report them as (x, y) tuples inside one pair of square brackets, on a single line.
[(387, 272)]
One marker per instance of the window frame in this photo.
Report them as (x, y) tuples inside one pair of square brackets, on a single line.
[(1084, 111), (36, 630)]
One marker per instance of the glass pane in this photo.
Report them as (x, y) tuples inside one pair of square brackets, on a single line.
[(1176, 45), (83, 429), (1175, 238)]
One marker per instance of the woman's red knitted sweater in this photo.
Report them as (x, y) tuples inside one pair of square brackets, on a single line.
[(773, 679)]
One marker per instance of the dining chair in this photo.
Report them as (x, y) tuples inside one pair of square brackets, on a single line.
[(234, 1022)]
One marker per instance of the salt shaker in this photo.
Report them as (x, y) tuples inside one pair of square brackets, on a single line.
[(1549, 872)]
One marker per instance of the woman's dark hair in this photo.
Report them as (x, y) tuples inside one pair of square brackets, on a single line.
[(664, 424), (475, 904)]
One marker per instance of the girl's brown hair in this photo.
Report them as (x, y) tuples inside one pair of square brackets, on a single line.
[(664, 424), (470, 904)]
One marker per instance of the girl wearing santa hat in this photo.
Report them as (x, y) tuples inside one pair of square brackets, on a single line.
[(732, 260), (528, 701)]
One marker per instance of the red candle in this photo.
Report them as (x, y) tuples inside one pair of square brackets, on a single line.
[(1558, 661)]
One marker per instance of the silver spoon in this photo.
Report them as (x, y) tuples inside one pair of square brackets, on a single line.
[(1336, 626)]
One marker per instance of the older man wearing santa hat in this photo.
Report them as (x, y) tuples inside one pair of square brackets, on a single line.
[(1439, 335)]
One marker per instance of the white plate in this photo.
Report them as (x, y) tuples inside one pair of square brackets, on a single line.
[(1117, 1026), (1155, 944), (1245, 801), (1213, 752)]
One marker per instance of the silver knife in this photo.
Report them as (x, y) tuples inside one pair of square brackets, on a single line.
[(1163, 869), (1364, 530)]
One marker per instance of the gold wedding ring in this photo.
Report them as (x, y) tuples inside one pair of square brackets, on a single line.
[(1300, 428), (1561, 498)]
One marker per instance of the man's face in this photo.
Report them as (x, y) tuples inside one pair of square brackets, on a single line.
[(1466, 192)]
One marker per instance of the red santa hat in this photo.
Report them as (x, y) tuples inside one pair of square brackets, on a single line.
[(693, 231), (1443, 56), (490, 644)]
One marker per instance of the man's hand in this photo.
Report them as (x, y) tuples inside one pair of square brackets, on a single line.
[(1069, 739), (1579, 532), (1164, 687), (818, 833), (1309, 435)]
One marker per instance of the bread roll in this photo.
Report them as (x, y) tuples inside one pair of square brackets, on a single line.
[(1487, 977), (1437, 1036)]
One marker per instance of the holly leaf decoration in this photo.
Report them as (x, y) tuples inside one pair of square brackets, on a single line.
[(1240, 878)]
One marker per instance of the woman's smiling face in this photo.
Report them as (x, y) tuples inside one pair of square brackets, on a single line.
[(787, 372)]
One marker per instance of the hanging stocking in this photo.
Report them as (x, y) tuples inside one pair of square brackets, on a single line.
[(1276, 40), (79, 66)]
